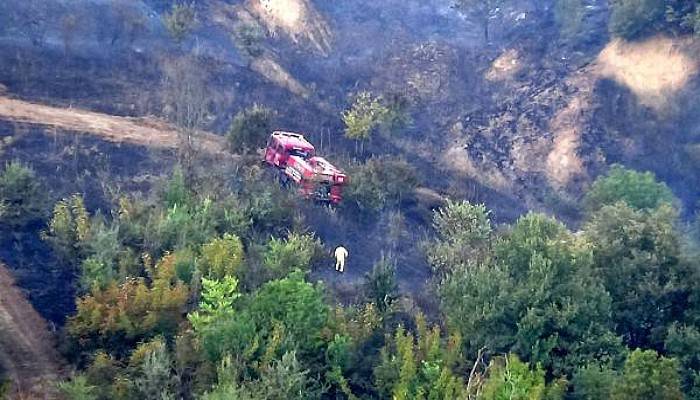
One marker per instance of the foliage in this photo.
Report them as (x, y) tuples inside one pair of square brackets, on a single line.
[(631, 18), (638, 189), (684, 15), (419, 367), (637, 254), (379, 182), (569, 15), (221, 257), (218, 297), (250, 128), (155, 380), (648, 376), (509, 378), (537, 298), (248, 37), (77, 389), (130, 311), (293, 253), (593, 382), (180, 21), (464, 231), (381, 288), (68, 229), (176, 190), (363, 116), (22, 197)]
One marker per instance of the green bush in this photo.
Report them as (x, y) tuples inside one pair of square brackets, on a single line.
[(69, 229), (639, 190), (293, 253), (631, 18), (379, 182), (250, 128), (648, 376), (22, 197), (221, 257), (180, 21)]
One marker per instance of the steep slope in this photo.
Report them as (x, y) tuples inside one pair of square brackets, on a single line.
[(27, 350)]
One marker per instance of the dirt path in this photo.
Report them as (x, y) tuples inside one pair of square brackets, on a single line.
[(148, 132), (27, 351)]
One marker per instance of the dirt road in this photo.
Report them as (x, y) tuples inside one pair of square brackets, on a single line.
[(148, 132), (27, 352)]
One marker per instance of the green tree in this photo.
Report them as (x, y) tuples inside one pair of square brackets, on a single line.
[(511, 379), (22, 198), (381, 288), (155, 380), (250, 128), (637, 253), (631, 18), (593, 382), (77, 389), (464, 232), (379, 182), (648, 376), (68, 229), (417, 367), (283, 256), (221, 257), (180, 21), (218, 297), (364, 115), (538, 298), (638, 189)]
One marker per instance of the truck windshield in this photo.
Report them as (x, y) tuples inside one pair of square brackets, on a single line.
[(299, 153)]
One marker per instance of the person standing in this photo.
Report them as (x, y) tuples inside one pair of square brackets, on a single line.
[(341, 253)]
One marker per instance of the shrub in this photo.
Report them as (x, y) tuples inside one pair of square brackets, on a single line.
[(631, 18), (221, 257), (295, 252), (22, 198), (68, 229), (250, 128), (379, 182), (640, 190), (180, 21)]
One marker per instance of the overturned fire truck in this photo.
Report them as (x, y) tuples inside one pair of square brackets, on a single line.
[(295, 159)]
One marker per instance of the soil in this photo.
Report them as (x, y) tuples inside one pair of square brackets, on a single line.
[(27, 352)]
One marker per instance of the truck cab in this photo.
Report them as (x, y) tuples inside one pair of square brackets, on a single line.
[(283, 145)]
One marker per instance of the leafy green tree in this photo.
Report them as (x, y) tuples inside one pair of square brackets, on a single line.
[(381, 288), (180, 21), (22, 198), (631, 18), (176, 190), (155, 380), (250, 128), (509, 378), (464, 232), (221, 257), (538, 298), (420, 366), (218, 297), (77, 389), (639, 190), (379, 182), (593, 382), (683, 343), (68, 229), (283, 256), (637, 253), (366, 114), (648, 376)]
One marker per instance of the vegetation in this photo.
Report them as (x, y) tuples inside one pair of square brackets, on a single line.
[(483, 9), (638, 190), (369, 114), (631, 19), (180, 20), (250, 129), (379, 182), (22, 197)]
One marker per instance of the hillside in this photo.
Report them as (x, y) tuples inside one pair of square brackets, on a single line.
[(522, 201), (27, 353)]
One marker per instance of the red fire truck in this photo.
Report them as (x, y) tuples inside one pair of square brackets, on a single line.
[(296, 160)]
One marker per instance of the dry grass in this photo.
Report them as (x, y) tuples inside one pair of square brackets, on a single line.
[(655, 70), (506, 66), (148, 132)]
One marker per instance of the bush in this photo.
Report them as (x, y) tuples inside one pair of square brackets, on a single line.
[(569, 16), (180, 21), (295, 252), (68, 229), (221, 257), (250, 128), (379, 182), (631, 18), (640, 190), (22, 198), (648, 376)]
